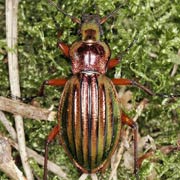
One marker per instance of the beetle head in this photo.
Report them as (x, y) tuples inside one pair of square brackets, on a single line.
[(90, 23), (90, 27)]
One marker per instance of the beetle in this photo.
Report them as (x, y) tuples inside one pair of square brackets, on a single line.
[(90, 116)]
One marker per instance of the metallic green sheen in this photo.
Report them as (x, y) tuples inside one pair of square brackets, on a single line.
[(89, 118)]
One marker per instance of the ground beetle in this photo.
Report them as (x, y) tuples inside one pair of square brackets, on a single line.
[(90, 116)]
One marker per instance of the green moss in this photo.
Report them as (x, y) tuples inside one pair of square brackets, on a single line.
[(151, 60)]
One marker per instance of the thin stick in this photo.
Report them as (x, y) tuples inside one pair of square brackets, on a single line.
[(40, 160), (31, 154), (26, 110), (8, 125), (121, 149), (7, 164), (11, 35), (175, 68), (83, 176)]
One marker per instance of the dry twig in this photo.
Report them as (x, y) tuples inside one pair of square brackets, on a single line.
[(32, 154), (26, 110), (7, 164), (118, 155), (11, 35)]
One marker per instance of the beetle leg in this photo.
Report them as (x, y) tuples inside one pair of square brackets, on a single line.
[(50, 138), (122, 81), (145, 156), (126, 120), (64, 48), (114, 62), (52, 82)]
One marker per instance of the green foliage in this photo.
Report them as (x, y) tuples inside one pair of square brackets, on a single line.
[(156, 26)]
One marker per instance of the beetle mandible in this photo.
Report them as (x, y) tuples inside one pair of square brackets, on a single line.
[(90, 116)]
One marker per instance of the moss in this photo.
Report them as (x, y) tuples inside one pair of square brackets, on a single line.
[(150, 60)]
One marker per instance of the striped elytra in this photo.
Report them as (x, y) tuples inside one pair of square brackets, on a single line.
[(90, 120)]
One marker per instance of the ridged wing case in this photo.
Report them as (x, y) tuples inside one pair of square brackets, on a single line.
[(90, 120)]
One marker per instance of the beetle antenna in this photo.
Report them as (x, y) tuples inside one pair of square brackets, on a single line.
[(84, 7), (121, 55), (96, 8), (74, 19), (168, 95), (104, 19)]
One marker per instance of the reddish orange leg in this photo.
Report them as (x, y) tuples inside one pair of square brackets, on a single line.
[(126, 120), (114, 62), (131, 82), (64, 48), (52, 82), (50, 138), (55, 130), (145, 156)]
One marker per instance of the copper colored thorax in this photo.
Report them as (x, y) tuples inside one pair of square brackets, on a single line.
[(90, 54)]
